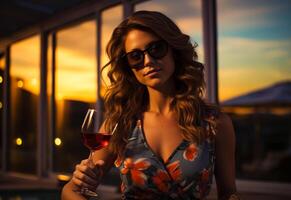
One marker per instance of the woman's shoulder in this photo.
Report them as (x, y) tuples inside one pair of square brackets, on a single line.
[(220, 122), (224, 127), (223, 119)]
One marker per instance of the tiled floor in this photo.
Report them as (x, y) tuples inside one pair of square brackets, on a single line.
[(248, 190), (106, 195)]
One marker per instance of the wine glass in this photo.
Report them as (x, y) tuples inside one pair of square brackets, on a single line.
[(94, 140)]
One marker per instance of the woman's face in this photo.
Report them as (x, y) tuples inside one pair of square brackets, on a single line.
[(152, 72)]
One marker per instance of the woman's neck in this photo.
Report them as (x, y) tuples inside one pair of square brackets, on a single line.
[(159, 102)]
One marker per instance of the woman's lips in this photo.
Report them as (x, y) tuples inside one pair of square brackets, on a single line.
[(152, 72)]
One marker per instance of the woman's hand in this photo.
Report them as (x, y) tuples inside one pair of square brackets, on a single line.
[(87, 174)]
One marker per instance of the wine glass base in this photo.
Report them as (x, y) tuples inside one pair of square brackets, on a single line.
[(88, 193)]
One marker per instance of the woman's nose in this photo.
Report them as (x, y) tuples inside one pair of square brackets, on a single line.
[(148, 60)]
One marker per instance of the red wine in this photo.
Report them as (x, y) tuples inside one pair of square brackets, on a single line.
[(95, 141)]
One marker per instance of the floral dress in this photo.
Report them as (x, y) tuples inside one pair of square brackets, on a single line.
[(187, 174)]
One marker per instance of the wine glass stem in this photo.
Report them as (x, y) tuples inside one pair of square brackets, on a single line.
[(91, 162)]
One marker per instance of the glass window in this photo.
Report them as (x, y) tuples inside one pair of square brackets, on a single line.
[(25, 89), (2, 67), (255, 84), (109, 22), (75, 91), (186, 14)]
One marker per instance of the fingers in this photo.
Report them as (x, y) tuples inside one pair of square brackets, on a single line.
[(99, 162), (98, 168), (82, 184), (84, 167), (86, 176)]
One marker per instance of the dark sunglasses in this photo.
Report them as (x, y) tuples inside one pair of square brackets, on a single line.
[(157, 50)]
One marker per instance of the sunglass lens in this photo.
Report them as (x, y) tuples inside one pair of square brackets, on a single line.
[(135, 57), (158, 49)]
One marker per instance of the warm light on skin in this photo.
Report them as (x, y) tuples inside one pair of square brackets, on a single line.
[(58, 141), (1, 79), (18, 141), (1, 105), (20, 84)]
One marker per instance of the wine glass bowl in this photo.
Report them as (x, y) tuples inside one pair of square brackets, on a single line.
[(95, 141)]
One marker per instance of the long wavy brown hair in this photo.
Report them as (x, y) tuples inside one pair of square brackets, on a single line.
[(126, 99)]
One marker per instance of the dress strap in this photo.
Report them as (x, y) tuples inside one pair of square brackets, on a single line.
[(134, 134)]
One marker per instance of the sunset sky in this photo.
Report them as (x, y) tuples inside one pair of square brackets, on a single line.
[(254, 40), (254, 48)]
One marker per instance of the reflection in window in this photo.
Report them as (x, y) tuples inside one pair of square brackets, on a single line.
[(255, 84), (109, 22), (186, 14), (75, 91), (2, 67), (25, 89)]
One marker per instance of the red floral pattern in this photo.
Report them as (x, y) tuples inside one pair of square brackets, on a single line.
[(161, 180), (135, 168), (122, 187), (118, 162), (203, 182), (175, 171), (191, 152), (145, 177)]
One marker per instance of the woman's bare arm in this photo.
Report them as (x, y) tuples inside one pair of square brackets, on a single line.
[(68, 192), (225, 158)]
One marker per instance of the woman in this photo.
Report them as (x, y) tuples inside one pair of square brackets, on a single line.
[(164, 143)]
